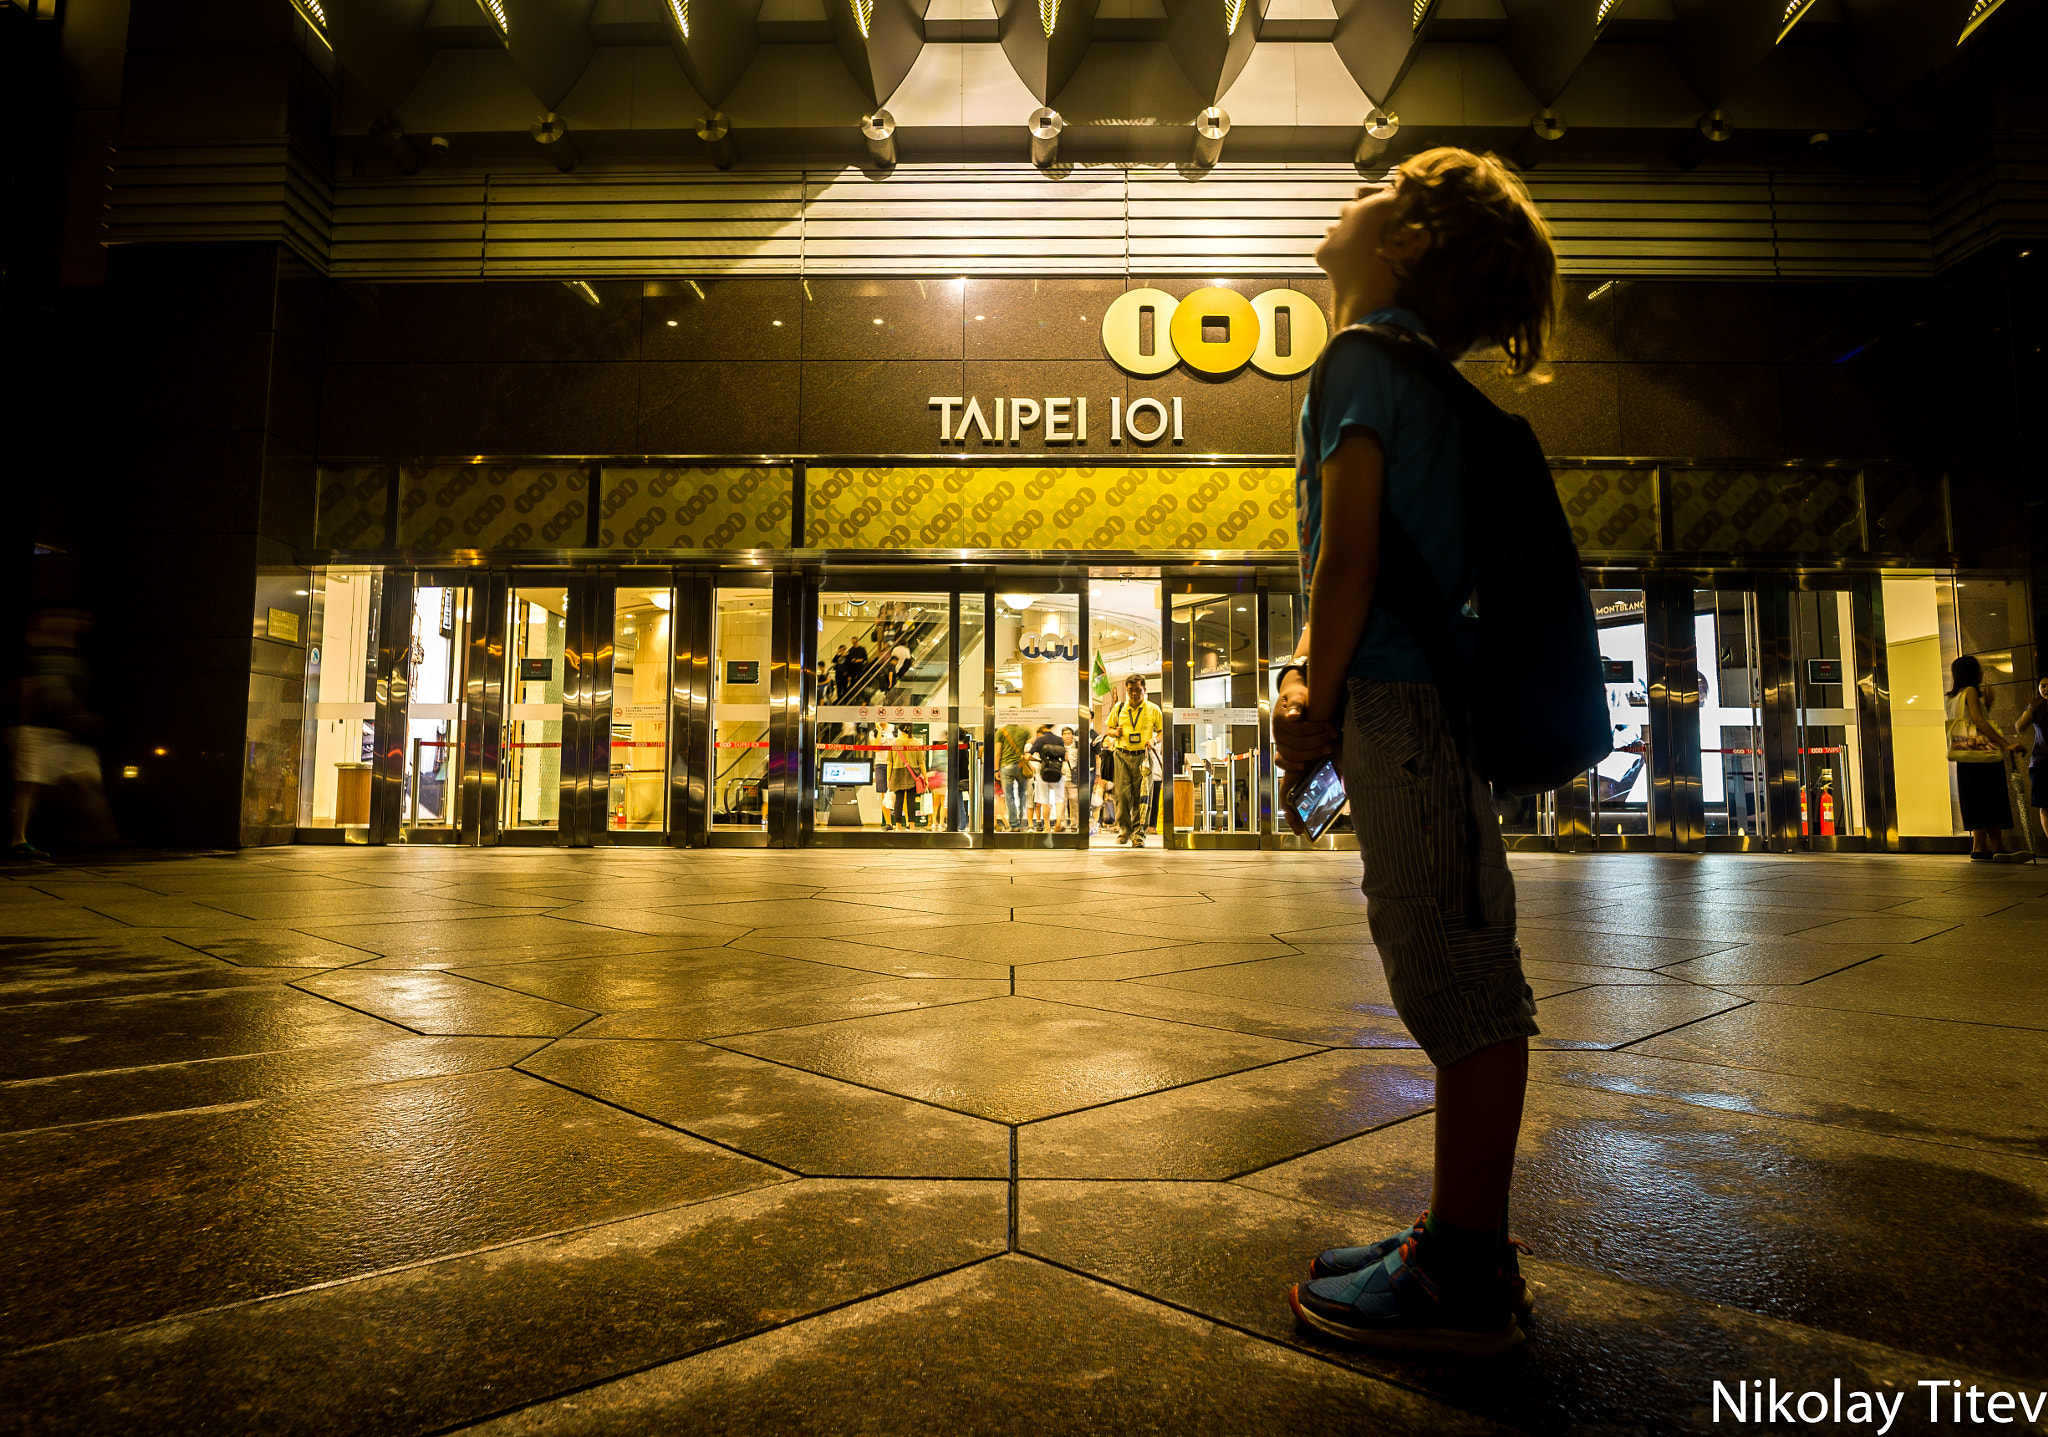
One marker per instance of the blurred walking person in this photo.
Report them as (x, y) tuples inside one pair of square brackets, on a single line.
[(50, 740)]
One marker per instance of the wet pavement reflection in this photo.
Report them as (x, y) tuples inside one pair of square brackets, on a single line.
[(408, 1140)]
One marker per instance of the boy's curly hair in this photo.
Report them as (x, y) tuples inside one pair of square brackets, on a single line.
[(1490, 272)]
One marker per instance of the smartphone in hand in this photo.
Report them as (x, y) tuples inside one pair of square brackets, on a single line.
[(1317, 799)]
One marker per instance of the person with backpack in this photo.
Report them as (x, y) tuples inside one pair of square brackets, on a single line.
[(1013, 768), (1048, 789), (1429, 531), (1134, 726)]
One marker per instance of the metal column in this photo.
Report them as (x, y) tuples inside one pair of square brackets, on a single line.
[(394, 680), (691, 757), (483, 700), (1872, 677), (1677, 819), (1776, 673), (793, 608)]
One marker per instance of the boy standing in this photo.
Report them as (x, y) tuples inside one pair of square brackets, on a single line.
[(1453, 252)]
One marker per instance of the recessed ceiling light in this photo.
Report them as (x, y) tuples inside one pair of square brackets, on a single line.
[(776, 322), (671, 324), (878, 321), (978, 316)]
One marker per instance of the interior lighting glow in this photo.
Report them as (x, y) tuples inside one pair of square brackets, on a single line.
[(495, 9), (315, 17), (681, 10), (1048, 15), (1794, 10), (1979, 13), (863, 15), (1600, 15), (1421, 14), (1233, 11)]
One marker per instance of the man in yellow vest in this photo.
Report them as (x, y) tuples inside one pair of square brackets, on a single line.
[(1133, 729)]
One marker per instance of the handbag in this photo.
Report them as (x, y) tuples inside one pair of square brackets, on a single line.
[(1966, 744), (930, 781)]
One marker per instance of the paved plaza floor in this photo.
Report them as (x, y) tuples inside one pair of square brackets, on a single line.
[(404, 1140)]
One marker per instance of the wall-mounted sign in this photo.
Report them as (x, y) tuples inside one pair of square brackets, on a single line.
[(743, 671), (282, 624), (1823, 671), (1619, 671), (1058, 419), (536, 671), (1215, 330)]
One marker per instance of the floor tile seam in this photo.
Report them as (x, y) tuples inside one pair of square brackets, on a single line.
[(633, 1112), (1173, 972), (1011, 1194), (1704, 1017), (1818, 976), (1770, 1002), (1177, 1087), (1320, 1355), (851, 1083), (1332, 1143), (711, 1038), (521, 993), (765, 1330), (1186, 1022), (402, 1027), (457, 1255), (1676, 1100), (264, 1100), (200, 1062)]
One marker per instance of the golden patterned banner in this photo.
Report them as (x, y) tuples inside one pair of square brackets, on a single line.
[(350, 508), (494, 506), (685, 507), (1084, 508), (1610, 509), (1791, 511)]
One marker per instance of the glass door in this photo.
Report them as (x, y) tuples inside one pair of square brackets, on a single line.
[(1212, 755), (537, 675), (430, 734), (882, 760), (1038, 641), (1618, 796), (1732, 788), (640, 684), (340, 736), (742, 623), (1123, 639), (1827, 726)]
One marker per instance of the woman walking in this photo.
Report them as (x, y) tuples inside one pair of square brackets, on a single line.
[(906, 767), (1978, 749)]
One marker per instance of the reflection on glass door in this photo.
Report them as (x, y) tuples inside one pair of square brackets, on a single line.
[(432, 775), (882, 750), (1620, 783), (1123, 639), (341, 700), (740, 710), (1824, 683), (642, 650), (965, 799), (1037, 706), (1215, 714), (535, 643), (1732, 769)]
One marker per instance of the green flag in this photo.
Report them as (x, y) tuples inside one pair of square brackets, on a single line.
[(1099, 678)]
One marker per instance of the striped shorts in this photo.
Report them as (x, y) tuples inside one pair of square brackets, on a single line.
[(1439, 898)]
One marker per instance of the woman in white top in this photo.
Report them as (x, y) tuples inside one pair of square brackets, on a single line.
[(1978, 750)]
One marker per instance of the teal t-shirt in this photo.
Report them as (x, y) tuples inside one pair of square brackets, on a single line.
[(1367, 391)]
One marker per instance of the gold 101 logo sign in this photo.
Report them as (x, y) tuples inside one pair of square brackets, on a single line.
[(1215, 330)]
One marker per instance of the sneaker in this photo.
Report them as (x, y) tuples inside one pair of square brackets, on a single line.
[(27, 852), (1343, 1261), (1396, 1307)]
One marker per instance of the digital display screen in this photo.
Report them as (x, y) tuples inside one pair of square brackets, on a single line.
[(837, 773), (1320, 798)]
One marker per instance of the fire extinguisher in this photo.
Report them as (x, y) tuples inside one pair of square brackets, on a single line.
[(1805, 827), (1827, 802)]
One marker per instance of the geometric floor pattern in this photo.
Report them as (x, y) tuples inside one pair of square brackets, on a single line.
[(346, 1140)]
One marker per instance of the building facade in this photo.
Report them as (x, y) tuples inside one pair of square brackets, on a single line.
[(460, 488)]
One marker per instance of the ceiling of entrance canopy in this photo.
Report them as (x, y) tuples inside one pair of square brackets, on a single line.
[(1297, 78)]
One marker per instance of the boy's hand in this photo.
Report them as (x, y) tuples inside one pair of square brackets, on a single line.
[(1299, 740)]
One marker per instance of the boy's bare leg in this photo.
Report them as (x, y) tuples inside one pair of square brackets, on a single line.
[(1478, 1121)]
